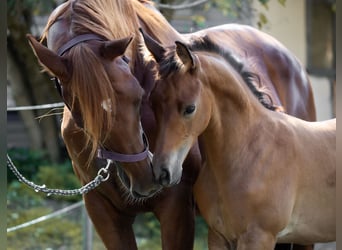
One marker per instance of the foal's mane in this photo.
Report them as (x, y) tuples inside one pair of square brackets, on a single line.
[(170, 65)]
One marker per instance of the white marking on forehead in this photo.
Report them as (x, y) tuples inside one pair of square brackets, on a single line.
[(107, 105)]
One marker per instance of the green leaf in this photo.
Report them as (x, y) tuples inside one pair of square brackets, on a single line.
[(262, 20), (282, 2), (264, 3)]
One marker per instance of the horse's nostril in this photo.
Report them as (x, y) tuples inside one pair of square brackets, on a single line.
[(164, 178)]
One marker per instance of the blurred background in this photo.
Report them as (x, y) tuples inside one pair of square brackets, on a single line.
[(305, 27)]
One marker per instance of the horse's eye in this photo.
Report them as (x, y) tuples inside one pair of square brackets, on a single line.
[(189, 109)]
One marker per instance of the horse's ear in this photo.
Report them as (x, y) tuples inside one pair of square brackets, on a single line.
[(185, 55), (115, 48), (154, 47), (49, 59)]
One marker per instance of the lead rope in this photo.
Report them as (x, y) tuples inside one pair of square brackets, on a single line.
[(102, 175)]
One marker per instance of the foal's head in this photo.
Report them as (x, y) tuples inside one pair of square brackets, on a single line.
[(180, 108), (184, 102), (104, 99)]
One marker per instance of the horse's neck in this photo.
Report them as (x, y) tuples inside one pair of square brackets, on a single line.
[(235, 113), (155, 24)]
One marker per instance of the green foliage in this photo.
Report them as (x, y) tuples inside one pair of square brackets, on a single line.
[(262, 20), (147, 231), (227, 7), (21, 197), (201, 234), (232, 8), (51, 234), (24, 204), (27, 161), (59, 176), (35, 167), (30, 6), (264, 3), (199, 21)]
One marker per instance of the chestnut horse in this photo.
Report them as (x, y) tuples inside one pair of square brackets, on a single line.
[(267, 177), (79, 35)]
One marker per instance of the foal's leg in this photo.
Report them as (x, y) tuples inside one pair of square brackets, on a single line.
[(115, 229), (176, 213), (256, 239)]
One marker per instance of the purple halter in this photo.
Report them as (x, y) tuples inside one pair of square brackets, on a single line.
[(76, 40), (102, 153)]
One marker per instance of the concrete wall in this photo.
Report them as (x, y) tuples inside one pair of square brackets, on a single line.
[(288, 25)]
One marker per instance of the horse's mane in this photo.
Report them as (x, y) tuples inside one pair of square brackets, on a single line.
[(155, 23), (106, 18), (89, 84), (251, 79), (110, 19), (120, 17), (170, 65)]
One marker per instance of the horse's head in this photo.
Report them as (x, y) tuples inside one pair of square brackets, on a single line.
[(179, 107), (193, 81), (104, 98)]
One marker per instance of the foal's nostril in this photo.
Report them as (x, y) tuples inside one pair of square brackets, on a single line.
[(164, 178)]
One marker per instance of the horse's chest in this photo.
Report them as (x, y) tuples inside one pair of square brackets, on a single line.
[(228, 200), (212, 205)]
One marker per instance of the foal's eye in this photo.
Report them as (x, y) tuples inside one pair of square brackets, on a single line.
[(189, 109)]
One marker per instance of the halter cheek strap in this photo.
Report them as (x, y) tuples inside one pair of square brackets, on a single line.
[(64, 48)]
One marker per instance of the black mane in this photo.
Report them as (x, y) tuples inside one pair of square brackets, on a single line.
[(170, 65)]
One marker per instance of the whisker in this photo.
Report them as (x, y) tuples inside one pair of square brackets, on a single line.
[(50, 113)]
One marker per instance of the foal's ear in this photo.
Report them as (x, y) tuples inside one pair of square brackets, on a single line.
[(185, 55), (49, 59), (154, 47), (115, 48)]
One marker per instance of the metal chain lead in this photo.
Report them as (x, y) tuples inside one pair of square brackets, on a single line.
[(102, 175)]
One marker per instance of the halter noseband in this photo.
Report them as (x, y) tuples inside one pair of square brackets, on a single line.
[(104, 154), (101, 152)]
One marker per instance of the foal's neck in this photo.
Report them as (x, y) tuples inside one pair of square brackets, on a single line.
[(235, 111)]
